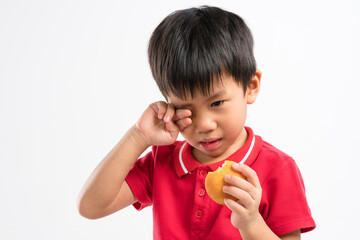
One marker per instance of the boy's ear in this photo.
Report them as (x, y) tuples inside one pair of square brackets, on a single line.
[(254, 87)]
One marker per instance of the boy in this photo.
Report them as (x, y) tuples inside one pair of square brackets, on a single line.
[(202, 60)]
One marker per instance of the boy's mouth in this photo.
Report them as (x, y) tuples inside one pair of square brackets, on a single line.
[(210, 144)]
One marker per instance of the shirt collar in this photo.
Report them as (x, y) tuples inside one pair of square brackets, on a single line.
[(185, 162)]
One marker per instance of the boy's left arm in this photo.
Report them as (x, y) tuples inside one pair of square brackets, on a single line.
[(245, 212)]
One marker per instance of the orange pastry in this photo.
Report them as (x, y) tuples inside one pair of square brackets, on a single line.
[(214, 182)]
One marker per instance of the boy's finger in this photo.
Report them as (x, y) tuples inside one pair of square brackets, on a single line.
[(159, 108), (183, 123), (239, 183), (234, 206), (244, 198), (170, 111), (251, 185), (172, 128), (249, 173), (181, 113)]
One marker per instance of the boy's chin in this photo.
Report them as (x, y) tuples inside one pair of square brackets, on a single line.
[(206, 157)]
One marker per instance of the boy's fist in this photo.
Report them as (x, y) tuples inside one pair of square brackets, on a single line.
[(161, 123), (245, 210)]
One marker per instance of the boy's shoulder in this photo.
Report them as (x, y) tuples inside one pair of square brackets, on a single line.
[(271, 159), (272, 151), (166, 150)]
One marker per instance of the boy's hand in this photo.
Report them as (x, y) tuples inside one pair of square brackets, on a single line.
[(160, 123), (245, 211)]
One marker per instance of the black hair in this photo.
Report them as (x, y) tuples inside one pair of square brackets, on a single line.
[(192, 48)]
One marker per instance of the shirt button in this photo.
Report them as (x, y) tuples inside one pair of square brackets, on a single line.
[(203, 172), (201, 192), (199, 213)]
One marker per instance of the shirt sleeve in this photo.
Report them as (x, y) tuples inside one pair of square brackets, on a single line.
[(140, 178), (284, 206)]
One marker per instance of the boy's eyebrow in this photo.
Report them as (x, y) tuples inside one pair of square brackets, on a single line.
[(217, 95), (182, 106)]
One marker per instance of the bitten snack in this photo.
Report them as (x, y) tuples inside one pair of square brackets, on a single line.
[(214, 182)]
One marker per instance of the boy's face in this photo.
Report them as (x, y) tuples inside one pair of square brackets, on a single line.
[(217, 128)]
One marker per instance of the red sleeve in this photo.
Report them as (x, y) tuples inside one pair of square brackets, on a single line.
[(283, 204), (140, 180)]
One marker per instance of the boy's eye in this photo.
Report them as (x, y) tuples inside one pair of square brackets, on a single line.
[(217, 103)]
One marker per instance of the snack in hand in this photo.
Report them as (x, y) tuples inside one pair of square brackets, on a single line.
[(214, 182)]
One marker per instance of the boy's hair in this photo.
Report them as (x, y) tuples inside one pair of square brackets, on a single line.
[(192, 48)]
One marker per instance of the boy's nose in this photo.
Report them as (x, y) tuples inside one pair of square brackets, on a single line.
[(204, 123)]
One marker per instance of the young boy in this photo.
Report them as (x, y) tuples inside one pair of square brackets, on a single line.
[(202, 60)]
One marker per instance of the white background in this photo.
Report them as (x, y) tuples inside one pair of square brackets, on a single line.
[(74, 77)]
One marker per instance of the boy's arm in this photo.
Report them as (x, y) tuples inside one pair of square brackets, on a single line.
[(245, 215), (262, 231), (106, 190)]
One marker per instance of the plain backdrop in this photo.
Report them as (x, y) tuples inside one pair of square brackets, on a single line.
[(74, 77)]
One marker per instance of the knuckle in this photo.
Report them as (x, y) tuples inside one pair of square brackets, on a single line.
[(161, 103), (170, 109)]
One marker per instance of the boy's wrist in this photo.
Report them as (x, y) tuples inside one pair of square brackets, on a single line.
[(138, 138), (252, 225), (258, 230)]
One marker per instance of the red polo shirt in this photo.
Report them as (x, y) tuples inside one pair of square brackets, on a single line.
[(173, 182)]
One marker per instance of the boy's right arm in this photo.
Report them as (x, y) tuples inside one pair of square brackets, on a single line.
[(106, 190)]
